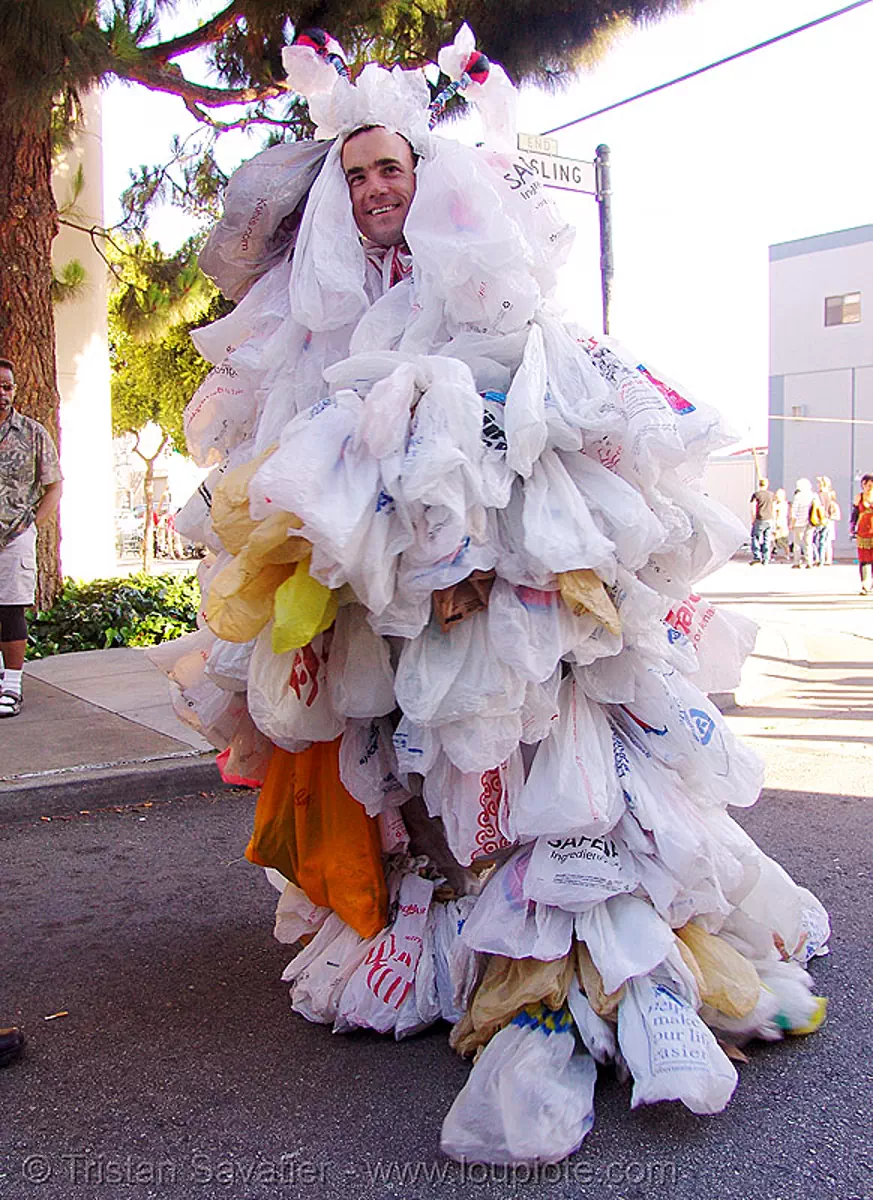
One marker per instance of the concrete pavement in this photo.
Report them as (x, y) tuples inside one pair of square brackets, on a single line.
[(97, 726)]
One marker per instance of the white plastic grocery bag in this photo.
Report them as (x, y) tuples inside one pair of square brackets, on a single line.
[(288, 694), (321, 970), (572, 787), (368, 768), (359, 675), (671, 1053), (559, 530), (529, 1098), (625, 937), (597, 1035), (505, 922), (574, 872), (384, 981), (472, 805)]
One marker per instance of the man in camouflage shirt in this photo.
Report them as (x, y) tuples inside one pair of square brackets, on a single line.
[(30, 489)]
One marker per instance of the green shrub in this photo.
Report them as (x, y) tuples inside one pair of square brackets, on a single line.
[(139, 610)]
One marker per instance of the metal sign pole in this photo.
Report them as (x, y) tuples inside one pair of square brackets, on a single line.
[(604, 202)]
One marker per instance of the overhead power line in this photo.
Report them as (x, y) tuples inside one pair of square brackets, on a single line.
[(660, 87)]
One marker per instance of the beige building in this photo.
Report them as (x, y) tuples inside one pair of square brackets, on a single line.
[(87, 532)]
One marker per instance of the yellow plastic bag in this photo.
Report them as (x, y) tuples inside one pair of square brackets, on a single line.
[(303, 608), (730, 982), (308, 827), (584, 594)]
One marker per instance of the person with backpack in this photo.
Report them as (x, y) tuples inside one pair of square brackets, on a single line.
[(805, 518), (825, 534)]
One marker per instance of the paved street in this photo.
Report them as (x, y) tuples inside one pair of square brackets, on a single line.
[(178, 1069)]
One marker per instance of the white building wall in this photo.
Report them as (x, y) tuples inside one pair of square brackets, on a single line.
[(87, 532), (821, 377)]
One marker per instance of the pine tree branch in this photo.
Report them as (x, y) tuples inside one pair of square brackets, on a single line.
[(169, 78), (212, 31)]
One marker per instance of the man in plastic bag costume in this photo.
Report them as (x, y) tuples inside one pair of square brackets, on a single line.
[(450, 623)]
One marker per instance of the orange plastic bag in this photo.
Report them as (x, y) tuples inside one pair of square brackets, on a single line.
[(308, 827)]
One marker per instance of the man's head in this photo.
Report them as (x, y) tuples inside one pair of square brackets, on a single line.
[(7, 386), (380, 170), (763, 484)]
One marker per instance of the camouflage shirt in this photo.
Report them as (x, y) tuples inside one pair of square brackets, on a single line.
[(28, 464)]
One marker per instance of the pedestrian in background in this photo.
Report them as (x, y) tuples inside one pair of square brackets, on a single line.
[(862, 532), (762, 522), (780, 523), (825, 534), (804, 507), (30, 490)]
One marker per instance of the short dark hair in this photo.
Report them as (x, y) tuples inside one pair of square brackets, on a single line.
[(867, 478), (10, 366), (367, 128)]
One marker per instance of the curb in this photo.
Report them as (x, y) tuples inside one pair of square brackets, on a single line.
[(56, 793)]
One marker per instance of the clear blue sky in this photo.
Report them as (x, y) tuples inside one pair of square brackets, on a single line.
[(705, 176)]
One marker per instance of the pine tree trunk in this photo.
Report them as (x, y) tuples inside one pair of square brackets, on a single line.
[(28, 224)]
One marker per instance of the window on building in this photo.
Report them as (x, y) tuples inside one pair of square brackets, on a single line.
[(843, 310)]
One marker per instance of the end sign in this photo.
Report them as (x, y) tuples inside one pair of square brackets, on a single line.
[(540, 156)]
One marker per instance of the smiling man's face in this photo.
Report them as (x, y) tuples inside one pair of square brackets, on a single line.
[(379, 169)]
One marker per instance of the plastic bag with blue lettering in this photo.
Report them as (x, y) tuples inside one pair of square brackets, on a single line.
[(529, 1097), (685, 731), (505, 922), (574, 873), (416, 747), (445, 550), (457, 969), (671, 1053), (367, 766), (318, 474), (497, 475), (572, 787)]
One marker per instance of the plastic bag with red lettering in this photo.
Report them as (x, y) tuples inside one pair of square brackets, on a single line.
[(720, 641), (473, 805), (384, 982), (220, 414), (572, 787), (288, 695)]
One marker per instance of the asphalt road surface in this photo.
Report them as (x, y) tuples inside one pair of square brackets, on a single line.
[(164, 1059)]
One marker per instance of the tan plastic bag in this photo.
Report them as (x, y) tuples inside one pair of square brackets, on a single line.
[(584, 594), (507, 986), (605, 1004), (730, 982), (231, 522), (240, 599)]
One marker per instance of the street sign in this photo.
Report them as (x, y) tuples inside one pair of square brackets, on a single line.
[(540, 156)]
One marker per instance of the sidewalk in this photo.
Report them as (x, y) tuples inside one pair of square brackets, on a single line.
[(97, 728)]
